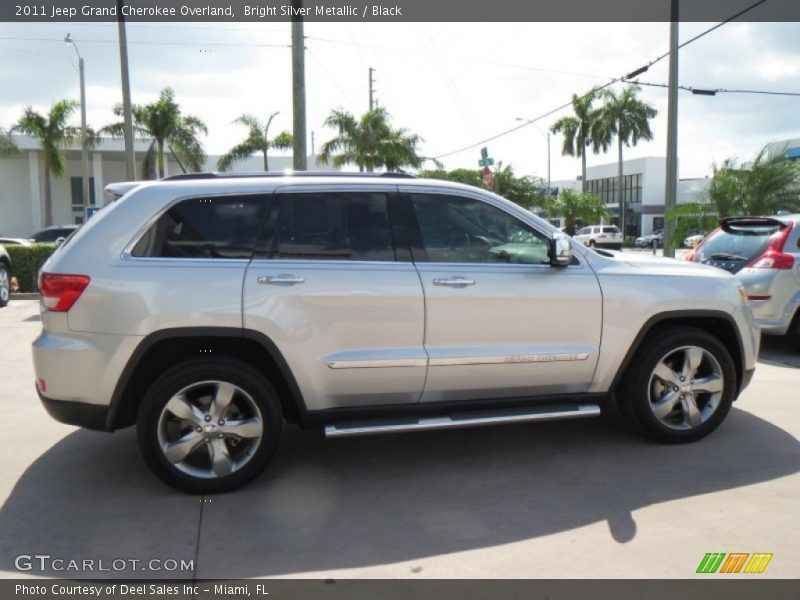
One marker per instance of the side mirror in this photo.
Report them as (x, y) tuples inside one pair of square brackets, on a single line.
[(560, 250)]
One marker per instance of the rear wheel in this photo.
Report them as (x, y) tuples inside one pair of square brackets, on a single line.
[(592, 244), (680, 386), (209, 426)]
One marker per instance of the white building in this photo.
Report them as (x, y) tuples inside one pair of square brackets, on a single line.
[(644, 188), (22, 181)]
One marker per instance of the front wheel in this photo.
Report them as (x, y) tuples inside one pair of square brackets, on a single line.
[(209, 426), (680, 386)]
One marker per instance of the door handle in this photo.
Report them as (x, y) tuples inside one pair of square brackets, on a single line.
[(456, 282), (280, 280)]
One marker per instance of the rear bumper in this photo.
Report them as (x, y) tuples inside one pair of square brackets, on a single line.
[(90, 416)]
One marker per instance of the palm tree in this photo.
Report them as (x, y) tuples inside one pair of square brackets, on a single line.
[(163, 123), (54, 135), (627, 117), (7, 145), (256, 141), (369, 142), (574, 206), (577, 129), (763, 186)]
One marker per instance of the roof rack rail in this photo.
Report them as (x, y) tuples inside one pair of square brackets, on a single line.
[(257, 174)]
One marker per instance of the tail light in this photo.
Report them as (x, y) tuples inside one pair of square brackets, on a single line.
[(59, 291), (690, 256), (774, 257)]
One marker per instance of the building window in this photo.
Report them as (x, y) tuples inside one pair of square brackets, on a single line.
[(76, 187), (606, 190)]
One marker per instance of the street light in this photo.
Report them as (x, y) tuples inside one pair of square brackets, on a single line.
[(547, 134), (68, 39), (266, 138)]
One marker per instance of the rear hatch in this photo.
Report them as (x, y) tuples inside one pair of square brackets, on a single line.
[(610, 233), (743, 241)]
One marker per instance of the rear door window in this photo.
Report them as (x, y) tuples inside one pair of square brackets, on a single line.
[(207, 227), (334, 226)]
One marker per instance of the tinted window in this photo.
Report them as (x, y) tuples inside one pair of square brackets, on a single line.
[(211, 227), (732, 251), (335, 226), (463, 230), (612, 229), (51, 235)]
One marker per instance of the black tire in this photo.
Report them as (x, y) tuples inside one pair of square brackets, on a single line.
[(793, 335), (633, 393), (257, 391), (5, 281), (592, 244)]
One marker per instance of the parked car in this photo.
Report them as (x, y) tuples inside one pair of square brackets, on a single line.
[(5, 276), (654, 239), (694, 237), (53, 234), (601, 236), (764, 253), (8, 241), (211, 309)]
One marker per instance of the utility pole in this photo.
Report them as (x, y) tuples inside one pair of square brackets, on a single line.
[(548, 163), (130, 159), (373, 103), (84, 137), (313, 145), (672, 133), (299, 157)]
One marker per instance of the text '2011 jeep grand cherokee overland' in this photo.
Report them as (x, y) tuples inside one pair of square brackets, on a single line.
[(210, 309)]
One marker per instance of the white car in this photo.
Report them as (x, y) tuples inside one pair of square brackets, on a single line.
[(692, 240), (600, 236)]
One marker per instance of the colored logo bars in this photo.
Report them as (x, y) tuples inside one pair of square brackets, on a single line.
[(735, 562)]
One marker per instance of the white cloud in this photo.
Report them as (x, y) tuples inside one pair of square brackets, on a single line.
[(453, 83)]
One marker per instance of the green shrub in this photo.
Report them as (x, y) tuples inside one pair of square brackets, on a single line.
[(26, 262)]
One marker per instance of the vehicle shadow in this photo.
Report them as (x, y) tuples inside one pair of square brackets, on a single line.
[(776, 351), (354, 502)]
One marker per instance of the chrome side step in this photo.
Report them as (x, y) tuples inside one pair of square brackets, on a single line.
[(452, 422)]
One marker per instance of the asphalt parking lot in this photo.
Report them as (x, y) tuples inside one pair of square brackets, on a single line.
[(564, 499)]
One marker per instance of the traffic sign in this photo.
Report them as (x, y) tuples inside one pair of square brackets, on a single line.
[(485, 161)]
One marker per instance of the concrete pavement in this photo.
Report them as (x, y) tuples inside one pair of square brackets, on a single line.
[(566, 499)]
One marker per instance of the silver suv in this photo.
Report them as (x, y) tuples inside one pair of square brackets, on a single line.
[(764, 254), (209, 310)]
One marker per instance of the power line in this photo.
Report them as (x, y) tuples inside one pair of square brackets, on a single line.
[(713, 91), (594, 90)]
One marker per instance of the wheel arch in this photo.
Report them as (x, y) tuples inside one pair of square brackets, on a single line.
[(718, 323), (169, 346)]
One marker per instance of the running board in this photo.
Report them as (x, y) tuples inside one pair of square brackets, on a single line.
[(456, 421)]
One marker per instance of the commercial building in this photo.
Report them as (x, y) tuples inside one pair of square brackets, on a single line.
[(22, 180), (643, 190)]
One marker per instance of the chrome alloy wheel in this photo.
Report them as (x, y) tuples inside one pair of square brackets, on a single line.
[(685, 387), (5, 285), (210, 429)]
